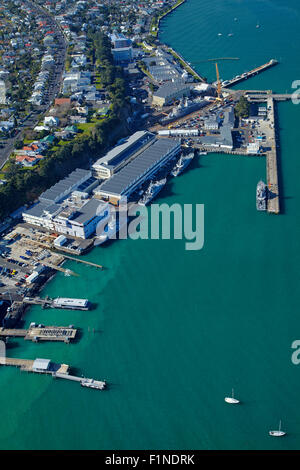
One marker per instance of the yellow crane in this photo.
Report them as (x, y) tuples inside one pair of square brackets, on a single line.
[(219, 86)]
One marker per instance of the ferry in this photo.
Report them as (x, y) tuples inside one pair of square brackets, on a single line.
[(70, 304), (261, 196), (182, 164), (91, 383), (152, 191)]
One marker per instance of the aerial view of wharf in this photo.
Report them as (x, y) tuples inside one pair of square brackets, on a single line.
[(176, 117)]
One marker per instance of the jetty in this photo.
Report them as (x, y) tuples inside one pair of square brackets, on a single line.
[(273, 206), (45, 366), (272, 168), (89, 263), (257, 96), (66, 303), (41, 333), (251, 73)]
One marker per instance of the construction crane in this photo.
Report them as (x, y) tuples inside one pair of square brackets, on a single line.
[(219, 86)]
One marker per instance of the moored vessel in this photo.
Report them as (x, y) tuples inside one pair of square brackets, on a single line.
[(277, 433), (231, 399), (182, 164), (261, 196), (153, 189)]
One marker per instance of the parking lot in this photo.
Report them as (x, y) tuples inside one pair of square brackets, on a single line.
[(24, 253)]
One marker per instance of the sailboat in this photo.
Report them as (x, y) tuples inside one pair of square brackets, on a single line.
[(230, 34), (277, 433), (231, 399)]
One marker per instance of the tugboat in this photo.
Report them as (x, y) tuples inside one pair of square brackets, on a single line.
[(261, 196), (182, 164), (152, 191)]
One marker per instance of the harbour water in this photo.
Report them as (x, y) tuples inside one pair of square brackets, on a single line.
[(172, 330)]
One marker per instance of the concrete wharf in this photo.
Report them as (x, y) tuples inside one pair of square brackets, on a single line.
[(45, 333), (272, 169), (89, 263), (251, 73), (56, 370)]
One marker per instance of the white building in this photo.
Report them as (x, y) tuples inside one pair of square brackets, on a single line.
[(253, 148), (2, 92), (122, 154)]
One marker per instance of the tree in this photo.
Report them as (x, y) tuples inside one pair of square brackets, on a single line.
[(242, 108)]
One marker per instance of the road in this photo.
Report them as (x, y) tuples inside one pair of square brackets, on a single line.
[(54, 85)]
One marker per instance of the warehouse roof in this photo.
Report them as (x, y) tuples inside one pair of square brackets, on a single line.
[(133, 143), (88, 211), (69, 182), (169, 88), (139, 166), (41, 364), (39, 208)]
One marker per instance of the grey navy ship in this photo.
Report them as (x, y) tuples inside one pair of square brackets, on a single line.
[(153, 189), (261, 196), (185, 106), (182, 163)]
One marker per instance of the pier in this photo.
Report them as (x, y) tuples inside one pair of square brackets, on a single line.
[(60, 302), (257, 97), (45, 366), (272, 170), (251, 73), (41, 333), (89, 263)]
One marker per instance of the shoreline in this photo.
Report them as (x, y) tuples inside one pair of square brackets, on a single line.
[(163, 15)]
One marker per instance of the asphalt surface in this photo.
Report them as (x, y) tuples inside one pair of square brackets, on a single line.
[(54, 86)]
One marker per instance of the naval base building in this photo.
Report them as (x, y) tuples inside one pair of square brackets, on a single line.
[(144, 167)]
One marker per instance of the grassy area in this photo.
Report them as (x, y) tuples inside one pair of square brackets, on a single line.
[(98, 83)]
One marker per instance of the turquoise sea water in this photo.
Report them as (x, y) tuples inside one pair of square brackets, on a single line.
[(176, 330)]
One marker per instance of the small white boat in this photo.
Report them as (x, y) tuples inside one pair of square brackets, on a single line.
[(230, 34), (220, 34), (231, 399), (277, 433)]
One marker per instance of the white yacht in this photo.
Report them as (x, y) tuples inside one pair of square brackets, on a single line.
[(231, 399), (277, 433)]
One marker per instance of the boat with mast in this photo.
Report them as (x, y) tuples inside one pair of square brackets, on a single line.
[(277, 433), (231, 399)]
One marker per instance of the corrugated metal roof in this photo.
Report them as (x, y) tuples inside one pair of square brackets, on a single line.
[(139, 136), (41, 364), (59, 188), (139, 166)]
